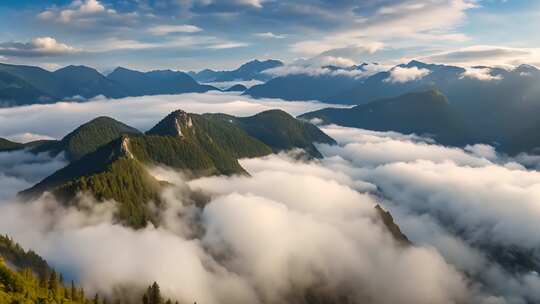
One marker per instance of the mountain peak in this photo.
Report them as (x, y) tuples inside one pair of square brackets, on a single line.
[(173, 124)]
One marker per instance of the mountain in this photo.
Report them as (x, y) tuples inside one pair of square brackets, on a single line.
[(302, 87), (7, 145), (310, 83), (427, 113), (88, 137), (280, 131), (200, 145), (237, 88), (87, 82), (252, 70), (14, 91), (23, 85), (137, 83)]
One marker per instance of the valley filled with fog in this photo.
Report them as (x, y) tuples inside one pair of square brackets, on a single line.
[(292, 224)]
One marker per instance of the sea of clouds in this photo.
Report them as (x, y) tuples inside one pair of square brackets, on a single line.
[(293, 227)]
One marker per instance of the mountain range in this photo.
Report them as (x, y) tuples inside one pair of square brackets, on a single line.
[(21, 85), (113, 166), (252, 70)]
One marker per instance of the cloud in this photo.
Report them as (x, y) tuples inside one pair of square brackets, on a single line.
[(460, 207), (482, 74), (227, 45), (403, 74), (228, 261), (269, 35), (487, 55), (38, 47), (85, 13), (395, 22), (173, 29), (456, 200), (21, 169), (56, 120), (325, 65)]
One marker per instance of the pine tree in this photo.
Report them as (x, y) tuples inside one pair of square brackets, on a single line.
[(96, 299), (73, 291), (155, 295)]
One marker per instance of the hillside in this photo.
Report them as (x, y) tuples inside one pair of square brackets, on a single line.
[(424, 113), (87, 82), (7, 145), (280, 131), (88, 137), (200, 145)]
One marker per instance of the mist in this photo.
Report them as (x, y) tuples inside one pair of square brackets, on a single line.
[(48, 121), (293, 227)]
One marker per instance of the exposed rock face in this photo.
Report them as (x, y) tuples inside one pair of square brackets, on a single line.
[(173, 124)]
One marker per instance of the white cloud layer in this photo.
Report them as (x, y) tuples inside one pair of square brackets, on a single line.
[(248, 243), (56, 120)]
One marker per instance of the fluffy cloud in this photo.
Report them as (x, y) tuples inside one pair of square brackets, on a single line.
[(252, 246), (38, 47), (482, 74), (84, 13), (403, 74)]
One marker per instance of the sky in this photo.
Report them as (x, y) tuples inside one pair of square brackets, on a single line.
[(222, 34)]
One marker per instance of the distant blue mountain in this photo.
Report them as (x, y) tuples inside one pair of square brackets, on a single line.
[(252, 70), (20, 85)]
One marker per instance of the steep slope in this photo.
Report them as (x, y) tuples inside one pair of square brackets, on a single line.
[(424, 113), (89, 136), (117, 170), (200, 145), (252, 70), (87, 82), (156, 82), (279, 130)]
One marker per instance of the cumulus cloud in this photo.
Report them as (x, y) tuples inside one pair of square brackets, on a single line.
[(482, 74), (404, 74), (56, 120), (85, 13), (38, 47)]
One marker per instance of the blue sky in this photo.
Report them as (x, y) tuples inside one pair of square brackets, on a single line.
[(221, 34)]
